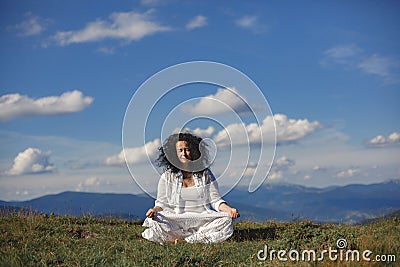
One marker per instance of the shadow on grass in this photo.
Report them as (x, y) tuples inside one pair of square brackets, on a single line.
[(255, 234)]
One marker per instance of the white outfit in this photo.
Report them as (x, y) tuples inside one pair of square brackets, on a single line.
[(191, 201), (187, 212)]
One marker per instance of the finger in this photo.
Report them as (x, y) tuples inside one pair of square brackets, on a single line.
[(236, 214), (150, 214)]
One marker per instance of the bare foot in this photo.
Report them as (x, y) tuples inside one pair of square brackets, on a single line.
[(177, 241)]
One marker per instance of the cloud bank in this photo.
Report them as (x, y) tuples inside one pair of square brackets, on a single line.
[(279, 166), (88, 183), (223, 101), (15, 105), (287, 130), (204, 132), (126, 26), (135, 155), (392, 139), (347, 173), (31, 161)]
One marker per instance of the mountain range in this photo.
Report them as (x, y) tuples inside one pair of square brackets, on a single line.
[(282, 202), (348, 204)]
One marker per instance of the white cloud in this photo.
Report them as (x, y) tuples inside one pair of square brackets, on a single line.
[(32, 25), (204, 132), (235, 133), (352, 57), (377, 65), (318, 168), (89, 182), (197, 22), (127, 26), (247, 21), (92, 181), (392, 139), (275, 175), (31, 161), (24, 193), (283, 163), (342, 53), (250, 171), (287, 130), (218, 103), (16, 105), (279, 166), (347, 173), (251, 22), (135, 155)]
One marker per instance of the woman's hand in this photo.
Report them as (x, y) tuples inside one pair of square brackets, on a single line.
[(233, 213), (151, 213)]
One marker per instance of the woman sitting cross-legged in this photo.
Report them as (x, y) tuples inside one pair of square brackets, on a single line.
[(188, 205)]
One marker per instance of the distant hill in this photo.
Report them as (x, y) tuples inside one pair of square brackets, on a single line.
[(95, 204), (390, 216), (347, 204)]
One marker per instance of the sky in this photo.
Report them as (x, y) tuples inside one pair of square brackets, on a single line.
[(80, 79)]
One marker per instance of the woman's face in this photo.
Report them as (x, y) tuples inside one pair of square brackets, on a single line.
[(183, 152)]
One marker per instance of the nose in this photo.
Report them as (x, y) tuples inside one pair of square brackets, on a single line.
[(184, 154)]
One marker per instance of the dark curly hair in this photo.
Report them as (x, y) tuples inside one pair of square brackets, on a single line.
[(199, 152)]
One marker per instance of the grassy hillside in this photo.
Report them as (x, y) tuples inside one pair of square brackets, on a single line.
[(41, 240)]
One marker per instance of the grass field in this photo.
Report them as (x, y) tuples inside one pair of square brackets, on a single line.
[(42, 240)]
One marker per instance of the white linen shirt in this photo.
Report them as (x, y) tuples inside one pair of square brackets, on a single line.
[(170, 187)]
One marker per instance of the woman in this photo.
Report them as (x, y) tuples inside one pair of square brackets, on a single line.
[(188, 205)]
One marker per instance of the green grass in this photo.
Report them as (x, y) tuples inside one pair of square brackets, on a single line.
[(41, 240)]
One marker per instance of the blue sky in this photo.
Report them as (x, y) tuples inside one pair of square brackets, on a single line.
[(330, 72)]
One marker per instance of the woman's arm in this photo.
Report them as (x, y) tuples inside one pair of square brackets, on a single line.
[(226, 208), (216, 200), (211, 188), (161, 200)]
